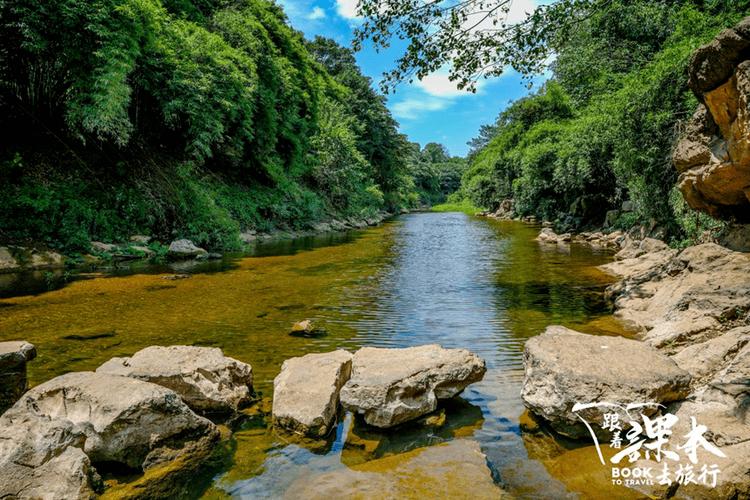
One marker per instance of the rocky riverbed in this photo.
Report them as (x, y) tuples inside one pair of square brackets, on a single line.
[(146, 414), (692, 309)]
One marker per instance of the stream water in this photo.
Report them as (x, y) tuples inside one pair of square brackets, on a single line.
[(451, 279)]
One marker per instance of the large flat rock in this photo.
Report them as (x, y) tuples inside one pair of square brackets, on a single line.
[(123, 419), (564, 367), (683, 298), (306, 392), (391, 386), (205, 379)]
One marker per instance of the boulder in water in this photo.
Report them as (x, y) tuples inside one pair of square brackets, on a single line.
[(123, 419), (306, 392), (205, 379), (307, 328), (391, 386), (564, 367), (184, 249), (13, 358)]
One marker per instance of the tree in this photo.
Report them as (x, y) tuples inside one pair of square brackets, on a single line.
[(474, 38)]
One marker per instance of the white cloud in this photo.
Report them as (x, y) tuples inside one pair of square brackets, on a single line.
[(478, 19), (317, 13), (439, 85), (519, 9), (410, 109), (347, 8)]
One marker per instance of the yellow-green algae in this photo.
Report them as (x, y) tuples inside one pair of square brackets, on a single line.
[(362, 291)]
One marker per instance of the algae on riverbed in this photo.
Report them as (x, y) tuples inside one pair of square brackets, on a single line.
[(424, 278)]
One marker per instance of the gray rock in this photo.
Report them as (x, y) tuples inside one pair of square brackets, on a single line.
[(248, 237), (140, 239), (146, 251), (13, 383), (681, 298), (731, 385), (123, 419), (46, 260), (205, 379), (736, 237), (99, 247), (184, 249), (43, 458), (563, 367), (632, 248), (391, 386), (709, 357), (8, 263), (306, 392)]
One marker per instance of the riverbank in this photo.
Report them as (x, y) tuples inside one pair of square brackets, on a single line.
[(692, 306), (142, 248)]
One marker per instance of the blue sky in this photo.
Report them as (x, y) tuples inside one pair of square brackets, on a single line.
[(431, 110)]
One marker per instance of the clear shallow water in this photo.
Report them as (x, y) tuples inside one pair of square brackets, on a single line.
[(448, 278)]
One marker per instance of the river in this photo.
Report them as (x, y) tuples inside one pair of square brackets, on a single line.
[(444, 278)]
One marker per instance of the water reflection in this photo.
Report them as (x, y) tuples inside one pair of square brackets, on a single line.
[(423, 278)]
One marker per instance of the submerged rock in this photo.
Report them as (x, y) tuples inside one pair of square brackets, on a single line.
[(307, 328), (306, 392), (391, 386), (13, 383), (43, 458), (184, 249), (205, 379), (563, 367), (457, 469), (123, 419)]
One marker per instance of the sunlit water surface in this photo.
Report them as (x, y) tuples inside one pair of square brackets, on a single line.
[(424, 278)]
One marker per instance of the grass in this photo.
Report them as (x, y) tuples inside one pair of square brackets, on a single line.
[(464, 206)]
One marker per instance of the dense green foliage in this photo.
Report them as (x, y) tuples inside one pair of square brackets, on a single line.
[(600, 132), (183, 118), (436, 174)]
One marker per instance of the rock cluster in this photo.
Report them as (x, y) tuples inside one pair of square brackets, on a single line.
[(14, 259), (713, 155), (598, 239), (692, 308), (681, 298), (387, 386), (693, 305), (56, 434), (13, 358)]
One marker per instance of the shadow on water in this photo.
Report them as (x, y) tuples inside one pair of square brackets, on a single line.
[(424, 278)]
